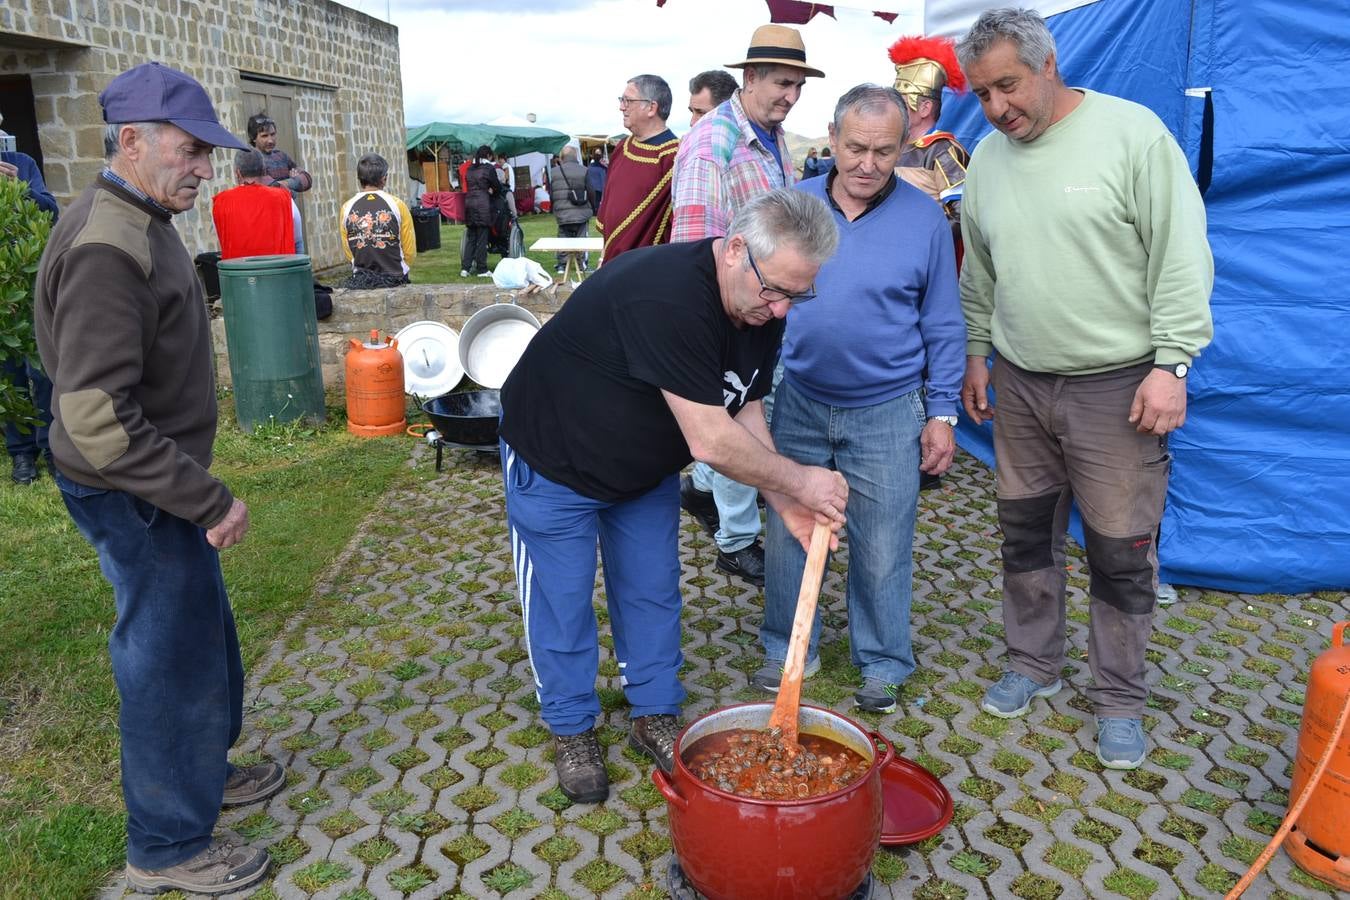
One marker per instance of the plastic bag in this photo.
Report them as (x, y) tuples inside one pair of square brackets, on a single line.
[(519, 272)]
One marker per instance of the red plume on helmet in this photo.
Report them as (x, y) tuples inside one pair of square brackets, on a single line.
[(940, 50)]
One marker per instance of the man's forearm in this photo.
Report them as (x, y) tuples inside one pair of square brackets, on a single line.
[(742, 455)]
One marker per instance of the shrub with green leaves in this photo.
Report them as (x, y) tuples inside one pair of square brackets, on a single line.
[(23, 233)]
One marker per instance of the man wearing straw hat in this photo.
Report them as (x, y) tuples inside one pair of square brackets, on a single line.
[(735, 153)]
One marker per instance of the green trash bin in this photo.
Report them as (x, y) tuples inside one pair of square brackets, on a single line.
[(273, 339)]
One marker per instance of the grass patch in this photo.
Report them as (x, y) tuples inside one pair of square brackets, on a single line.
[(307, 489), (441, 266)]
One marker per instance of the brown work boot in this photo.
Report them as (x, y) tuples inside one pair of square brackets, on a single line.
[(581, 767), (250, 784), (655, 736), (219, 869)]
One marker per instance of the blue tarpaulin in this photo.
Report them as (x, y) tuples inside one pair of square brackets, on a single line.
[(1260, 491)]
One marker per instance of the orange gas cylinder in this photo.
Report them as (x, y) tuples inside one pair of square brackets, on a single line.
[(375, 402), (1320, 840)]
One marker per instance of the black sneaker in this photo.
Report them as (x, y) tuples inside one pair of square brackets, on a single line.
[(221, 868), (25, 469), (655, 736), (251, 784), (699, 504), (746, 563), (581, 767)]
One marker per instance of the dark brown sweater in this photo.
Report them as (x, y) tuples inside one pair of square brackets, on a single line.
[(123, 332)]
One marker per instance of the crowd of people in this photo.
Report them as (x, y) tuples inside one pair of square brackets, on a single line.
[(810, 341), (813, 342)]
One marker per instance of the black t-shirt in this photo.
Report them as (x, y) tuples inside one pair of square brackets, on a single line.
[(583, 406)]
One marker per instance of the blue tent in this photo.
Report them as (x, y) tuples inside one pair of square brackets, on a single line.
[(1255, 94)]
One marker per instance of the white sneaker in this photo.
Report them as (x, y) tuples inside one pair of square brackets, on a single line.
[(1167, 595), (463, 273)]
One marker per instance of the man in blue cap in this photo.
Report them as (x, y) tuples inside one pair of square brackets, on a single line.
[(122, 329)]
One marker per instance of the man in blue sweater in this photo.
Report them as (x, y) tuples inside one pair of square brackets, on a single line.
[(25, 444), (855, 397)]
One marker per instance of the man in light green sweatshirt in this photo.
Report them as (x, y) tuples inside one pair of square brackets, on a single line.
[(1088, 271)]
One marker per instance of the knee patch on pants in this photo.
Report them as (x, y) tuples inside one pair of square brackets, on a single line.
[(1028, 541), (1122, 573)]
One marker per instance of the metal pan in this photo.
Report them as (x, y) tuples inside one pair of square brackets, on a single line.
[(493, 340)]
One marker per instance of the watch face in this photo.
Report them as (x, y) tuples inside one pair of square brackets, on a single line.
[(1181, 370)]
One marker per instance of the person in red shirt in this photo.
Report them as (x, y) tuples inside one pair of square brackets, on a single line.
[(253, 218)]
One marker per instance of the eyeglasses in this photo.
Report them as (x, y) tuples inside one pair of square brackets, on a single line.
[(625, 102), (776, 295)]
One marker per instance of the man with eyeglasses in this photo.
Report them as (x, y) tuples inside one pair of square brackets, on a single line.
[(735, 153), (872, 373), (635, 210), (662, 356)]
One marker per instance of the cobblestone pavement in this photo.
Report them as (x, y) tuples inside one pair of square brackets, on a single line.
[(402, 706)]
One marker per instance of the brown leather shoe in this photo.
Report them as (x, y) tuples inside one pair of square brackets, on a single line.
[(655, 736), (221, 868), (580, 764), (251, 784)]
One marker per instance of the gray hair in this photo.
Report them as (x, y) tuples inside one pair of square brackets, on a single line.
[(371, 170), (787, 216), (720, 85), (249, 163), (113, 131), (1024, 27), (654, 87), (568, 152), (870, 98), (761, 71)]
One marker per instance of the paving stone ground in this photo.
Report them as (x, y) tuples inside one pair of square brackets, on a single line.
[(402, 705)]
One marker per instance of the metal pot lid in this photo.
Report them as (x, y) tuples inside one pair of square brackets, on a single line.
[(430, 358), (914, 804)]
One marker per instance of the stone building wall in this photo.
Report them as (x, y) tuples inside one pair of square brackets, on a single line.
[(355, 313), (343, 66)]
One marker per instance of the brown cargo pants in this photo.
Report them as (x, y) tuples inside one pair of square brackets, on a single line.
[(1061, 438)]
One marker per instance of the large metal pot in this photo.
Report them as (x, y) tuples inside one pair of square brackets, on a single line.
[(492, 341), (469, 417), (737, 848)]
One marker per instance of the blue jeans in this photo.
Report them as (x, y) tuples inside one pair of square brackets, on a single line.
[(34, 440), (553, 535), (876, 448), (175, 659)]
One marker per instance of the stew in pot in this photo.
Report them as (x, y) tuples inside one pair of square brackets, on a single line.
[(757, 764)]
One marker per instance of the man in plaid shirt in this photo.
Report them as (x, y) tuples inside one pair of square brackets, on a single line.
[(735, 153)]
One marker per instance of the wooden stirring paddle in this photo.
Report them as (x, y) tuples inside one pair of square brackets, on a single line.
[(785, 708)]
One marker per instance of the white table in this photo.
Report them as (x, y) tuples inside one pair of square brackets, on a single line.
[(572, 248)]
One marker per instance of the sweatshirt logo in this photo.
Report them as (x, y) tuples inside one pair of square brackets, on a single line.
[(1076, 189), (739, 389)]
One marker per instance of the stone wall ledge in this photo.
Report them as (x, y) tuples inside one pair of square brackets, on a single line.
[(355, 313)]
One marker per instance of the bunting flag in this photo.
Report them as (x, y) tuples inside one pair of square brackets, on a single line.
[(796, 12), (800, 12)]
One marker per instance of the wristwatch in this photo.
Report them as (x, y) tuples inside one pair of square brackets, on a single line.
[(945, 420), (1178, 369)]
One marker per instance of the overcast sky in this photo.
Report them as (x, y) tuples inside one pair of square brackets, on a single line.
[(566, 61)]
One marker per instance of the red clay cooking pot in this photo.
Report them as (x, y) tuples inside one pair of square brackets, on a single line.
[(737, 848)]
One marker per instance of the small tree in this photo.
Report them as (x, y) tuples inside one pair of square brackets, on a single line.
[(24, 228)]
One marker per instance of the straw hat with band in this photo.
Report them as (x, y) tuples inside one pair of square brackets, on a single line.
[(777, 45)]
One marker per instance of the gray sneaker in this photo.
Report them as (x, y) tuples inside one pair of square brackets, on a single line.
[(251, 784), (876, 695), (1167, 595), (655, 736), (580, 764), (1012, 694), (769, 674), (221, 868)]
